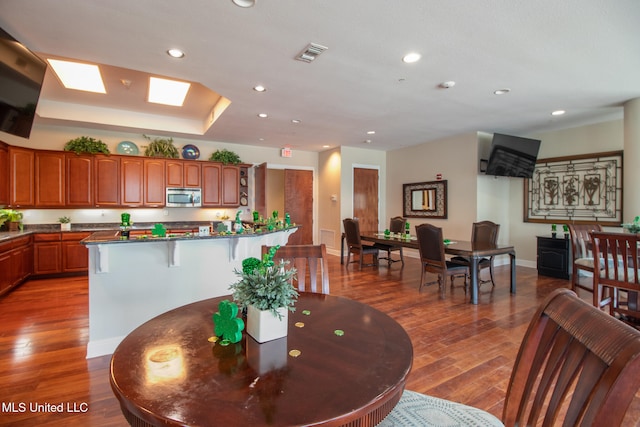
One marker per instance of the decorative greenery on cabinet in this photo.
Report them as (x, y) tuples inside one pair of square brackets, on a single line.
[(161, 147), (225, 157), (86, 145)]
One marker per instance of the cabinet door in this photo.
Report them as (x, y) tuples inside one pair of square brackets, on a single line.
[(106, 181), (154, 189), (21, 163), (211, 184), (26, 255), (131, 181), (175, 173), (4, 175), (50, 179), (192, 173), (79, 180), (230, 186), (47, 258), (6, 271)]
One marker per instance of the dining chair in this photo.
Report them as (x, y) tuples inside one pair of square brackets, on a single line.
[(582, 256), (576, 366), (355, 244), (432, 257), (311, 264), (617, 284), (483, 233), (396, 226)]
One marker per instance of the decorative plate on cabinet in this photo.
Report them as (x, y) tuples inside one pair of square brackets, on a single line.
[(244, 201), (127, 147), (243, 181), (190, 152)]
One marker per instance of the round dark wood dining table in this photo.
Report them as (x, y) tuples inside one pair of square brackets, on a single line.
[(342, 363)]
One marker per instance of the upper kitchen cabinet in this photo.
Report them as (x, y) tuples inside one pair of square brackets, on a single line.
[(21, 177), (183, 174), (50, 179), (211, 183), (106, 173), (230, 185), (131, 181), (154, 186), (4, 174), (79, 181)]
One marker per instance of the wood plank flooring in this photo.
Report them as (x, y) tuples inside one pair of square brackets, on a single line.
[(461, 352)]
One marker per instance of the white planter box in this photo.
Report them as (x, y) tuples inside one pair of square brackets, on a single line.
[(264, 326), (66, 226)]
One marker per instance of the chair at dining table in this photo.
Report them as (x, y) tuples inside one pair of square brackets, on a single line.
[(582, 256), (576, 366), (617, 285), (311, 264), (432, 257), (482, 233), (355, 245), (396, 226)]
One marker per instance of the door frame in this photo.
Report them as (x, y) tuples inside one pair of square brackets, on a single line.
[(315, 191), (366, 166)]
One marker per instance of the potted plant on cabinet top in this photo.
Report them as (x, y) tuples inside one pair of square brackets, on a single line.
[(266, 290), (161, 147), (86, 145), (225, 157), (13, 218), (65, 223)]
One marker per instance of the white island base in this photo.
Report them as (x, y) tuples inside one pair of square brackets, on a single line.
[(130, 282)]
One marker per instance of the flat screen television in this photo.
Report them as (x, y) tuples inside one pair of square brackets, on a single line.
[(512, 156), (21, 76)]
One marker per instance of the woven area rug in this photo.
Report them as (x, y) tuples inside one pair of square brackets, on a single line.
[(420, 410)]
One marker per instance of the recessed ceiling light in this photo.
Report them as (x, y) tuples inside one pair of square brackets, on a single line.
[(367, 141), (501, 91), (260, 139), (263, 115), (558, 113), (78, 76), (326, 146), (371, 132), (175, 53), (296, 121), (411, 57), (260, 88), (167, 92), (244, 3), (447, 85)]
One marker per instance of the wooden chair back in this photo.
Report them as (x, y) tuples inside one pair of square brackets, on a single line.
[(431, 247), (310, 262), (352, 232), (581, 239), (397, 224), (618, 253), (484, 233), (577, 366)]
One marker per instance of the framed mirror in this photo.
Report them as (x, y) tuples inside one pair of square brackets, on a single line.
[(425, 199)]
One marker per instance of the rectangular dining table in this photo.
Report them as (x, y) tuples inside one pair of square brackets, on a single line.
[(474, 252)]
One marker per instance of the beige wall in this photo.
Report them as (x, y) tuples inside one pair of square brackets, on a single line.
[(329, 216)]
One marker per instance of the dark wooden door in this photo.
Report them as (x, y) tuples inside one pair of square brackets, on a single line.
[(260, 184), (298, 202), (365, 198)]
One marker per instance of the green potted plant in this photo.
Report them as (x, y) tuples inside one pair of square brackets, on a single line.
[(65, 223), (633, 227), (86, 145), (265, 289), (225, 156), (161, 147), (13, 218)]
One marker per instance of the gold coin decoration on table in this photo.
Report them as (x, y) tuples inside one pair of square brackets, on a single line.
[(212, 339), (295, 353), (299, 325)]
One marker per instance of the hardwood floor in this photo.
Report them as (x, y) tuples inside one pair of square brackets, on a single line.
[(461, 352)]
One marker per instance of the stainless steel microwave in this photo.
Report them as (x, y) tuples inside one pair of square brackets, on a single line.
[(184, 198)]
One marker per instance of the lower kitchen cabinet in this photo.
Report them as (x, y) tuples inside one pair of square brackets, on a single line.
[(75, 256), (60, 253), (554, 257), (16, 260)]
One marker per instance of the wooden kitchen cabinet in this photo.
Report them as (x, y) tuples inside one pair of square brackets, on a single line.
[(183, 174), (79, 181), (47, 254), (106, 187), (49, 179), (21, 177), (211, 185), (154, 186), (75, 255), (4, 174), (230, 186), (131, 181), (15, 262)]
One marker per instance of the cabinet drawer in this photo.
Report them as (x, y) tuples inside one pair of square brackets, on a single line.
[(75, 236), (47, 237)]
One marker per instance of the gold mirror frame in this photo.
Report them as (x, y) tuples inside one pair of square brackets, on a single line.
[(425, 199)]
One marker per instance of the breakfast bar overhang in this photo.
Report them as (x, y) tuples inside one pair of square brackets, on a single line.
[(132, 281)]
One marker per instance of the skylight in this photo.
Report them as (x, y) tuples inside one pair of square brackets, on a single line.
[(167, 92), (78, 76)]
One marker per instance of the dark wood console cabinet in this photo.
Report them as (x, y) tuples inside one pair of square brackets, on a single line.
[(554, 256)]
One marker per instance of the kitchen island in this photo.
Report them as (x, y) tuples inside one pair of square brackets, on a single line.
[(132, 281)]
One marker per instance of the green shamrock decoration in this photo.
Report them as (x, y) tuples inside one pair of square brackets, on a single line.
[(227, 325)]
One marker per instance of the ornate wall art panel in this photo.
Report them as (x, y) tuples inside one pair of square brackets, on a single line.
[(585, 188), (425, 199)]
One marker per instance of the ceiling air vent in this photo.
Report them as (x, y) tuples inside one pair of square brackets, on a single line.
[(311, 52)]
